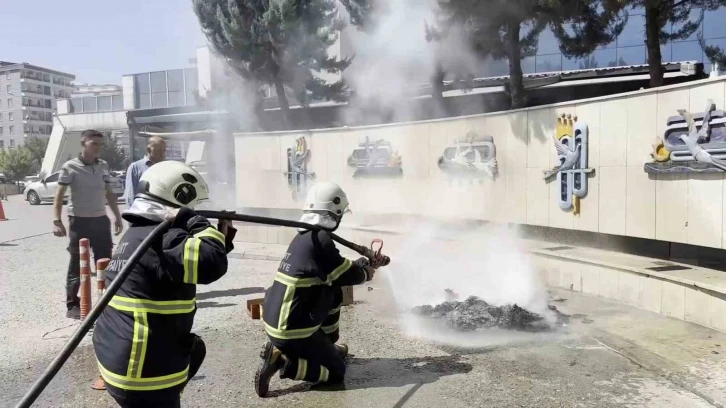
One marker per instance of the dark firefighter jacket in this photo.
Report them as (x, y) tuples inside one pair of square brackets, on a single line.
[(141, 339), (301, 296)]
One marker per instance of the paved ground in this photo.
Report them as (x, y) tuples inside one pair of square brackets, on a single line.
[(611, 355)]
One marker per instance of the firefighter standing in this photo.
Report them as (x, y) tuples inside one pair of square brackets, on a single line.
[(302, 307), (143, 342)]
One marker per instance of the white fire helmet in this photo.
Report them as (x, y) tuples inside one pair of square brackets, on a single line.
[(327, 197), (173, 183)]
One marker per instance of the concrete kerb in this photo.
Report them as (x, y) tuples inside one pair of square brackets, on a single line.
[(697, 302)]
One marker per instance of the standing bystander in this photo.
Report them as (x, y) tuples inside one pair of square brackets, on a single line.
[(88, 178), (155, 153)]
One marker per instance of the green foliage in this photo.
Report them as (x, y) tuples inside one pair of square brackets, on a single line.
[(510, 29), (282, 43), (37, 147), (16, 163), (113, 154)]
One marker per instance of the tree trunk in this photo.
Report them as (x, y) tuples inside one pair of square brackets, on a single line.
[(652, 40), (437, 89), (516, 84), (282, 100)]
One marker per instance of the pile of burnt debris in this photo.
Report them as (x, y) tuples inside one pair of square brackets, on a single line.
[(474, 314)]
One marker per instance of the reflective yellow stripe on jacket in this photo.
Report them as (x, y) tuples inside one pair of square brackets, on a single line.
[(191, 260), (211, 232), (292, 283), (140, 309), (127, 304), (143, 384)]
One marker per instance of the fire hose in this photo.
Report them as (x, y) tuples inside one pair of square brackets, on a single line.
[(374, 255)]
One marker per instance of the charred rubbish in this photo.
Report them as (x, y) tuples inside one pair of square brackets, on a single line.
[(474, 314)]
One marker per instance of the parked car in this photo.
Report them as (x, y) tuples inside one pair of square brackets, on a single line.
[(3, 178), (43, 190)]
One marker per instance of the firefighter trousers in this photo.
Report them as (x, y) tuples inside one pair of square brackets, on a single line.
[(315, 358), (165, 398)]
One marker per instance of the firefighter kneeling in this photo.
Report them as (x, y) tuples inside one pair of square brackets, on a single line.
[(302, 307), (143, 342)]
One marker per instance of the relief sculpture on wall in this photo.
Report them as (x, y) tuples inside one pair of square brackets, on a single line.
[(473, 156), (297, 168), (571, 142), (692, 143), (375, 159)]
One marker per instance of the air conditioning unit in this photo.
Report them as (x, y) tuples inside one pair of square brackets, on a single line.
[(688, 68)]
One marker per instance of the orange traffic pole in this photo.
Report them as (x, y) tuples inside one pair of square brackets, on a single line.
[(101, 266), (85, 251), (2, 212)]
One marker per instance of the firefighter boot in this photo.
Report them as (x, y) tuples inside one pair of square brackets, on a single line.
[(342, 350), (272, 362)]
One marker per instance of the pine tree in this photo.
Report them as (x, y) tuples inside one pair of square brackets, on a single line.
[(281, 43), (510, 29), (660, 16)]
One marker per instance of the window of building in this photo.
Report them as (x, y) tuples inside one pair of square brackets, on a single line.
[(601, 58), (1, 117), (175, 80), (687, 51), (9, 88), (631, 55), (695, 15), (49, 104), (10, 103), (48, 117), (633, 32), (104, 103), (549, 63), (143, 91), (1, 130), (46, 90), (2, 142), (48, 129), (11, 129), (713, 23), (548, 43), (46, 77), (11, 117), (7, 75), (77, 105), (12, 141), (89, 104), (191, 83), (158, 89), (118, 102), (528, 65)]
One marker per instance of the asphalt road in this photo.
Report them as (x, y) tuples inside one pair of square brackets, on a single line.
[(610, 356)]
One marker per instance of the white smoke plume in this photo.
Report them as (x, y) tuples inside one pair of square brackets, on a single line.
[(394, 57)]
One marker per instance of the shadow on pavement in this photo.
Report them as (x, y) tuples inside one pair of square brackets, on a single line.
[(204, 305), (366, 373), (230, 292)]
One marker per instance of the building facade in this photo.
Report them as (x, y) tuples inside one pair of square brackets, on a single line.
[(161, 89), (629, 48), (28, 96)]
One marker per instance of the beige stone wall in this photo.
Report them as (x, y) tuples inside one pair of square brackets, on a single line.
[(622, 198)]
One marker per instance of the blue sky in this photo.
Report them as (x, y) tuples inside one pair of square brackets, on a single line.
[(100, 40)]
